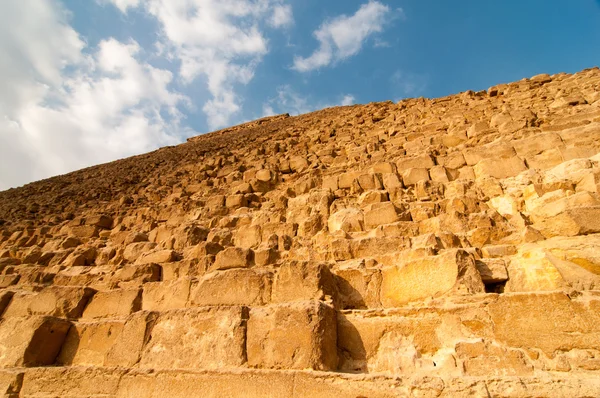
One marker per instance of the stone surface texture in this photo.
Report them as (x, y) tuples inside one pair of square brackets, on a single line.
[(442, 247)]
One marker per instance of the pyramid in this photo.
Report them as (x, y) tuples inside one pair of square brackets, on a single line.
[(442, 247)]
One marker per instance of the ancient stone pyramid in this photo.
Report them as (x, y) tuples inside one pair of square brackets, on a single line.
[(429, 248)]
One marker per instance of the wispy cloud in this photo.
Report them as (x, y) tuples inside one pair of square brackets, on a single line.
[(344, 36), (221, 40), (64, 106)]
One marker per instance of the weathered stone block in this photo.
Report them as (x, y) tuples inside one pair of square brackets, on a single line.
[(415, 162), (57, 301), (233, 257), (551, 322), (33, 341), (163, 296), (233, 287), (203, 338), (296, 335), (303, 281), (499, 168), (118, 303), (414, 175), (453, 270), (379, 214)]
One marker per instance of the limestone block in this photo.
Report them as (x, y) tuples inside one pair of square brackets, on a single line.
[(160, 256), (107, 343), (57, 301), (248, 237), (414, 175), (453, 271), (533, 270), (232, 257), (358, 286), (439, 174), (547, 321), (298, 163), (499, 168), (137, 274), (101, 220), (391, 182), (33, 341), (496, 150), (135, 250), (163, 296), (297, 335), (374, 196), (233, 287), (383, 167), (483, 358), (415, 162), (236, 201), (348, 220), (546, 159), (303, 281), (87, 343), (379, 214), (84, 231), (118, 303), (369, 181), (197, 338), (492, 270), (453, 161), (346, 179), (331, 183), (395, 343)]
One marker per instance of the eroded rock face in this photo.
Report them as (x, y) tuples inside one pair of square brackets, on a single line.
[(444, 247)]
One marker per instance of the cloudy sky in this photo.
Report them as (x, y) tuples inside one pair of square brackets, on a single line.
[(84, 82)]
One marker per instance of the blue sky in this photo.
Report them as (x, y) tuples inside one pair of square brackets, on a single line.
[(86, 82)]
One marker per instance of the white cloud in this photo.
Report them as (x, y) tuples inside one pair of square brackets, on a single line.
[(289, 101), (344, 36), (347, 100), (220, 40), (62, 108), (282, 16)]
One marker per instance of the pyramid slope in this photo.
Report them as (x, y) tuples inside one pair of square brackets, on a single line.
[(443, 247)]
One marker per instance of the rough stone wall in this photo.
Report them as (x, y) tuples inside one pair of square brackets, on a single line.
[(430, 248)]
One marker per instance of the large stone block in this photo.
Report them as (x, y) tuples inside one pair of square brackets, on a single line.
[(33, 341), (551, 322), (499, 168), (358, 286), (395, 343), (118, 303), (163, 296), (197, 338), (233, 257), (453, 271), (233, 287), (379, 214), (300, 280), (107, 343), (58, 301), (295, 335)]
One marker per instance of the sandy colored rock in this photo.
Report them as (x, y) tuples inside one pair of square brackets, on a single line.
[(233, 287), (197, 338), (114, 304), (297, 335), (431, 276), (33, 341)]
